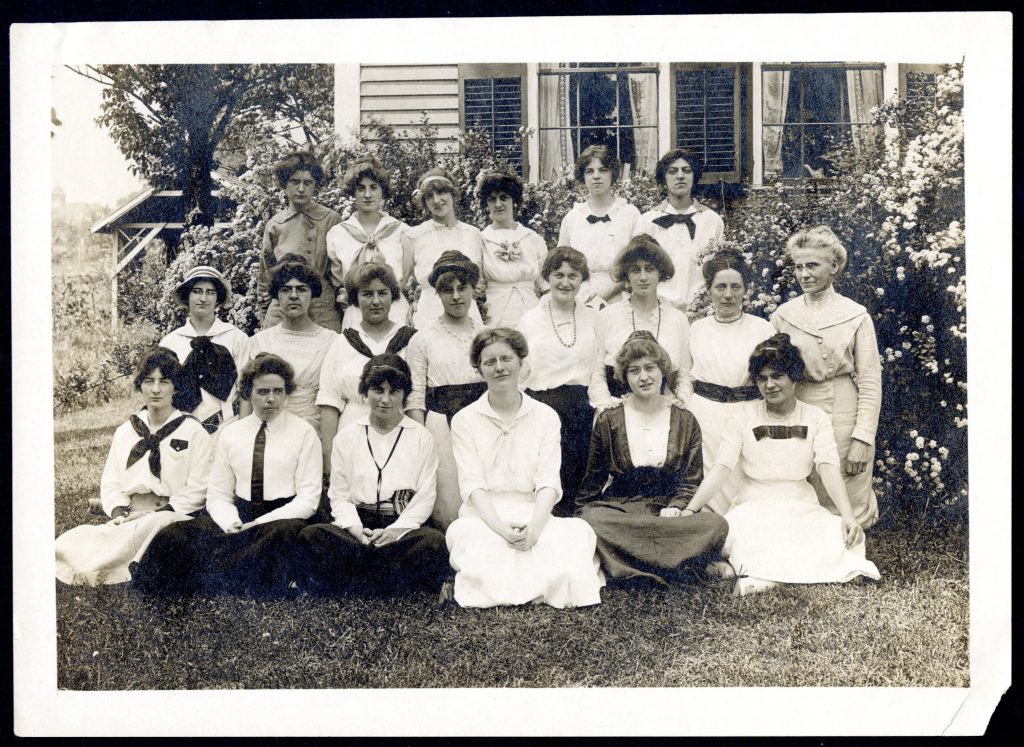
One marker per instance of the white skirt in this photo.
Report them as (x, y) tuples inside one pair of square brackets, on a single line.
[(792, 541), (712, 417), (561, 569), (96, 554)]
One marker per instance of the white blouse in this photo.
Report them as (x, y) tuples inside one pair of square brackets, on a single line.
[(615, 323), (305, 351), (424, 244), (224, 334), (601, 242), (721, 352), (343, 366), (343, 247), (647, 434), (438, 357), (292, 466), (688, 280), (552, 364), (491, 455), (412, 466), (184, 467)]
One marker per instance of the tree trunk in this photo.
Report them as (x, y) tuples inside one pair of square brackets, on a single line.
[(200, 106)]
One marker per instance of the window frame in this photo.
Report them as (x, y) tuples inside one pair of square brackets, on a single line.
[(616, 68), (742, 116), (477, 71), (914, 67)]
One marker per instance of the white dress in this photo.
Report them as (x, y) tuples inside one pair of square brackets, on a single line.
[(685, 251), (342, 368), (511, 282), (220, 333), (426, 242), (305, 351), (348, 245), (512, 463), (437, 357), (94, 554), (601, 242), (777, 529), (721, 353)]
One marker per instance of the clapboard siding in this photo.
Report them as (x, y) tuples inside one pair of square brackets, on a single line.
[(398, 95)]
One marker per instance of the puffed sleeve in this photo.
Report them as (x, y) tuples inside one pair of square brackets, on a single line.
[(592, 486), (308, 479), (547, 435), (422, 504), (343, 508), (869, 381), (467, 460), (111, 495), (330, 391), (220, 495), (417, 360), (192, 496), (691, 471)]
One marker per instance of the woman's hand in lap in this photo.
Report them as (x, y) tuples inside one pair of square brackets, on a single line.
[(671, 512), (857, 458), (852, 532), (360, 534), (382, 537)]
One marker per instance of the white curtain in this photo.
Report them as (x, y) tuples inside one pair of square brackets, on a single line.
[(556, 146), (643, 102), (774, 98), (864, 90)]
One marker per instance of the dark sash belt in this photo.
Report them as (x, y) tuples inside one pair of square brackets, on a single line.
[(249, 511), (718, 393), (450, 398), (565, 397)]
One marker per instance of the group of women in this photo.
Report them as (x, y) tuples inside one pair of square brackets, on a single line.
[(438, 398)]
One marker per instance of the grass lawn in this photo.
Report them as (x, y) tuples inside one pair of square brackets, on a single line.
[(911, 629)]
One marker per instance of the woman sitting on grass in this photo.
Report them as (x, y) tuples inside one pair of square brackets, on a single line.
[(778, 532), (155, 475), (382, 491), (649, 445), (506, 546), (264, 483)]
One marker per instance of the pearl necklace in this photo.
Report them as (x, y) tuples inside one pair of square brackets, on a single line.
[(729, 321), (462, 339), (554, 328)]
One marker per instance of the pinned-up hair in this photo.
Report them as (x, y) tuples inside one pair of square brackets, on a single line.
[(386, 367), (819, 237), (644, 248), (362, 275), (265, 364), (671, 157), (511, 337), (560, 255), (366, 167), (603, 154), (294, 266), (642, 344), (779, 354), (727, 259), (298, 161)]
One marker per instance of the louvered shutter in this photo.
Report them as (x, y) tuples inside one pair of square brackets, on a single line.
[(706, 111), (496, 106)]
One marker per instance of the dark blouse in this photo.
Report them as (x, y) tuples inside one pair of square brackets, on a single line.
[(675, 482)]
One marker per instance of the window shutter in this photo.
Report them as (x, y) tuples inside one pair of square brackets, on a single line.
[(495, 105), (706, 114)]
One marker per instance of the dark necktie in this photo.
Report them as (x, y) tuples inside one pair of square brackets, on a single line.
[(598, 219), (258, 449), (150, 442), (667, 221), (780, 431)]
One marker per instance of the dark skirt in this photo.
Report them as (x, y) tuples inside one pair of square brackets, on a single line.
[(634, 541), (197, 556), (572, 404), (448, 399), (337, 563)]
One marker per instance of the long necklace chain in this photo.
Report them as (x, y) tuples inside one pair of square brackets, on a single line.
[(632, 311), (554, 328), (462, 339)]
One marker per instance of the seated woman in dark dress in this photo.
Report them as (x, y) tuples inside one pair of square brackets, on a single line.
[(650, 447), (265, 482), (383, 480)]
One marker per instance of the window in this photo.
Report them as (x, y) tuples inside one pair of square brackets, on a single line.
[(607, 103), (809, 110), (493, 101), (708, 117)]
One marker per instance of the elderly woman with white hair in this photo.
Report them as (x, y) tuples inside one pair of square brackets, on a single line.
[(422, 245), (836, 338)]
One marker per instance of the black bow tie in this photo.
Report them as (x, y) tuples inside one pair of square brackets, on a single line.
[(150, 442), (667, 221), (598, 219), (780, 431)]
